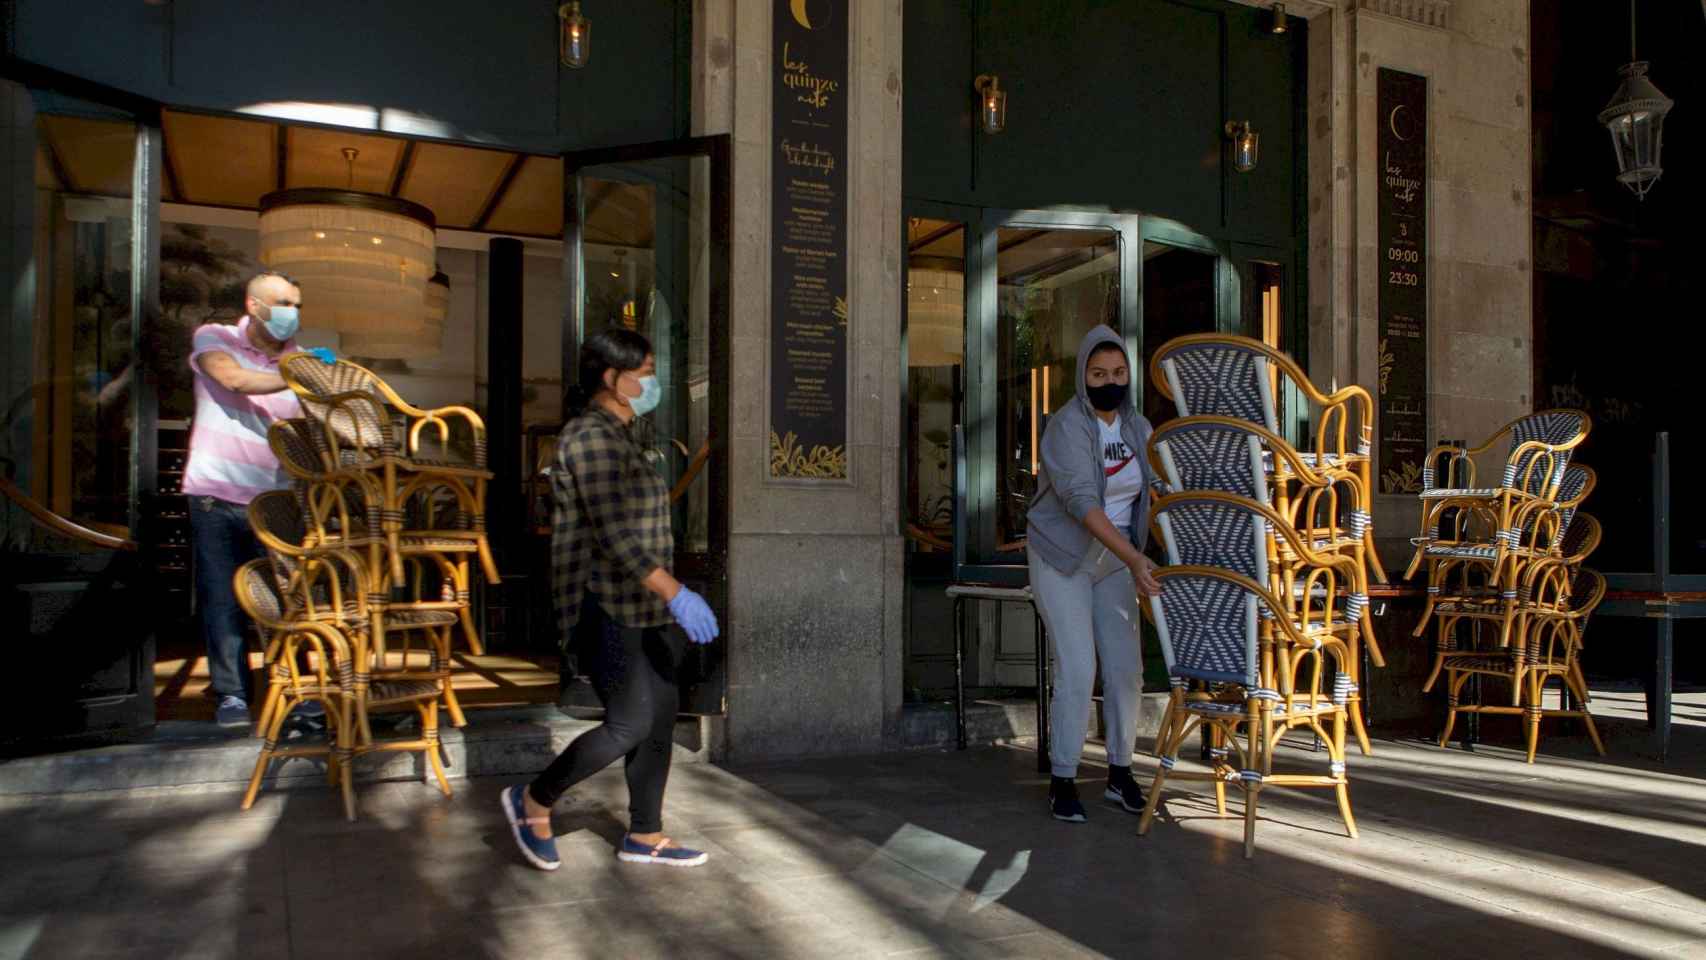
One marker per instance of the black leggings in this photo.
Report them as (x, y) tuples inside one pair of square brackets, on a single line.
[(633, 671)]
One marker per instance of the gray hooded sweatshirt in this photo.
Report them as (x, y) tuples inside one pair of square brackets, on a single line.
[(1073, 482)]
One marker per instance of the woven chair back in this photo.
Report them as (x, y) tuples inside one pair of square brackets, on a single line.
[(1216, 533), (293, 442), (1208, 628), (1557, 428), (257, 594), (359, 428), (1220, 378), (1215, 456)]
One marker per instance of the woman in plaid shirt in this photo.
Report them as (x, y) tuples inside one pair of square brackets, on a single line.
[(610, 544)]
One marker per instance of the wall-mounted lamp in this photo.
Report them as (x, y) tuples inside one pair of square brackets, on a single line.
[(574, 36), (1244, 144), (992, 103), (1279, 19)]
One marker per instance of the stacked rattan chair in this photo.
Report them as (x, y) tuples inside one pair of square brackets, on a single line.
[(322, 592), (343, 506), (1508, 593), (408, 453), (1322, 490), (1263, 608)]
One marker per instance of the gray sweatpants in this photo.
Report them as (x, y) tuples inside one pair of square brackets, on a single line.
[(1092, 616)]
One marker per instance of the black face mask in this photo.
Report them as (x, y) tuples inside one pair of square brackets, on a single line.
[(1108, 396)]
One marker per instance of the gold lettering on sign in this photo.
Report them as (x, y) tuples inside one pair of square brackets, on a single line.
[(1403, 188), (811, 90), (808, 155)]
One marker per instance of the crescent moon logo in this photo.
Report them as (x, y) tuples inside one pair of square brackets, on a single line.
[(1392, 121), (800, 16)]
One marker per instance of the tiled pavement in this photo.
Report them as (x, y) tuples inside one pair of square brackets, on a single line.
[(914, 854)]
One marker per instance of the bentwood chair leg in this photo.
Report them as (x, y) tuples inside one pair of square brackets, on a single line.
[(1217, 744), (1374, 557), (429, 724), (1342, 790), (261, 762), (346, 753), (1454, 686), (1169, 739), (451, 704), (1593, 732), (269, 702), (1536, 684), (1256, 759), (1353, 705)]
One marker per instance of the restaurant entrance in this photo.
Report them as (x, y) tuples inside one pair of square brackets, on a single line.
[(145, 227), (997, 302)]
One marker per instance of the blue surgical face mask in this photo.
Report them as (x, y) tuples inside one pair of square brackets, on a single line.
[(650, 394), (282, 322)]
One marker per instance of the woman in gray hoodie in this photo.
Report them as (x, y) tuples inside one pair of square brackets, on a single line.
[(1085, 532)]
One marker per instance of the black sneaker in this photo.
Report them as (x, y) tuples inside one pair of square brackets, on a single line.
[(1123, 790), (1063, 800)]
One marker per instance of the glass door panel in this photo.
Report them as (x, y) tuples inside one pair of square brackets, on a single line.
[(76, 425), (647, 250), (1180, 296), (1052, 287)]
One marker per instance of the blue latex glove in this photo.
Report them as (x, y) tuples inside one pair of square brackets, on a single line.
[(690, 610), (322, 354)]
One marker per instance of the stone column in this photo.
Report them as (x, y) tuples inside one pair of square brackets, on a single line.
[(1480, 286), (815, 574)]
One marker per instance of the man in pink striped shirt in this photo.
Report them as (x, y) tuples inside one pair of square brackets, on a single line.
[(238, 394)]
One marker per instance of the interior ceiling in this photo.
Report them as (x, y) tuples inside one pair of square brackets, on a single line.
[(231, 162)]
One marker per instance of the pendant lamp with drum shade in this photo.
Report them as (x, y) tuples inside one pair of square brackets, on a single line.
[(935, 317), (402, 345), (361, 259)]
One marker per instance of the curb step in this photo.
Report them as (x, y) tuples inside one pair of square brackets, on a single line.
[(182, 753)]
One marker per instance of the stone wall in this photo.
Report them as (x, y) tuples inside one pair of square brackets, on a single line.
[(815, 574), (1475, 56)]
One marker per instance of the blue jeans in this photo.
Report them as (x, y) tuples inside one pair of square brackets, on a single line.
[(223, 542)]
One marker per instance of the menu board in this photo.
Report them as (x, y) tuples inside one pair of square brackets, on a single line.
[(808, 242), (1402, 102)]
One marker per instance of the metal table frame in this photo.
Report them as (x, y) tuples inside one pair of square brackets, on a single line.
[(1661, 596)]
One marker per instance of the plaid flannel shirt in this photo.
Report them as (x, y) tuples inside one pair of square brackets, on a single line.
[(610, 526)]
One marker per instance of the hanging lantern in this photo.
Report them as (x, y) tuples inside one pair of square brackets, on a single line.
[(935, 318), (361, 259), (1636, 119), (574, 38), (390, 345)]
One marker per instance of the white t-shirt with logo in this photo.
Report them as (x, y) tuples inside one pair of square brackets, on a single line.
[(1124, 473)]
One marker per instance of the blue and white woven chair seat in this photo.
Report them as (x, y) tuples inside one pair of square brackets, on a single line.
[(1443, 492), (1470, 551), (1300, 707)]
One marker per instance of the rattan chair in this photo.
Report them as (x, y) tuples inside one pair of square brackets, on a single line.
[(1212, 374), (1260, 679), (1483, 566), (309, 662), (1316, 513), (1564, 599), (1537, 454), (342, 506), (411, 451), (328, 583)]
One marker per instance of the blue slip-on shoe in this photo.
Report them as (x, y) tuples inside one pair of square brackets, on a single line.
[(665, 852), (540, 853), (232, 712)]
